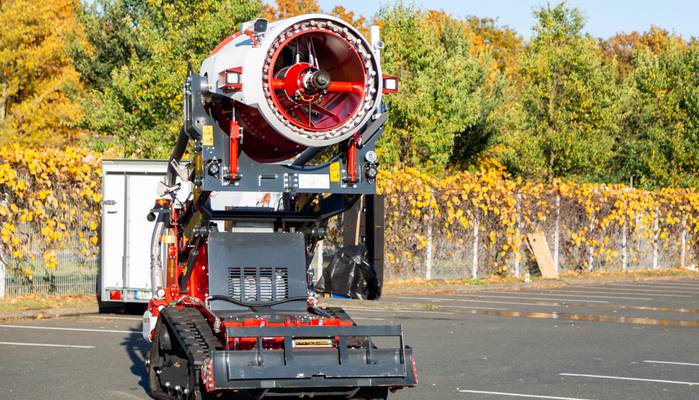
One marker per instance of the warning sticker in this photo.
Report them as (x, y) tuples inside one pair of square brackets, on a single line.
[(335, 172), (314, 181), (207, 133)]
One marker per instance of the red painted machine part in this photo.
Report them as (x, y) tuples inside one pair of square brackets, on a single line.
[(344, 96), (199, 280), (274, 343), (224, 43), (234, 140)]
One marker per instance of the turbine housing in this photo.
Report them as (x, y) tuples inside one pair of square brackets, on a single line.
[(307, 81)]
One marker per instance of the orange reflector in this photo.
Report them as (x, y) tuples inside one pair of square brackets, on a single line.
[(162, 202)]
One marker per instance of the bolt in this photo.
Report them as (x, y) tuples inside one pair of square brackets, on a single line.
[(167, 384)]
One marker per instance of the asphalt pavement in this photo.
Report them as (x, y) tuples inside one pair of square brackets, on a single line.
[(611, 341)]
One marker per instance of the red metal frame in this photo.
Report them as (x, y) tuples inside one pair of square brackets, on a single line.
[(292, 83), (390, 91), (230, 87)]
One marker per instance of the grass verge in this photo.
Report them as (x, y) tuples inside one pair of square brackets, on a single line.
[(496, 281), (42, 302)]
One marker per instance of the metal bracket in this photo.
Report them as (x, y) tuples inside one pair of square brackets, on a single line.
[(164, 190)]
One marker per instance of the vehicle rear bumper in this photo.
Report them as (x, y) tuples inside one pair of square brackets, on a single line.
[(355, 362)]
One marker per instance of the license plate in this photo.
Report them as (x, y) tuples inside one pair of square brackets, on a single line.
[(313, 342)]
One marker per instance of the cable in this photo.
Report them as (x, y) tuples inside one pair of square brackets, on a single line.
[(253, 306)]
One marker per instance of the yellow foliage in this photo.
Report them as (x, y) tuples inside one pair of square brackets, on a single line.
[(507, 209), (38, 84), (56, 202)]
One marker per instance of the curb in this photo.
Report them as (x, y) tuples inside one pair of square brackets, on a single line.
[(538, 284), (48, 313)]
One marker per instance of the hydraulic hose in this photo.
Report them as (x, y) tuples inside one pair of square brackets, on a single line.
[(156, 265), (176, 155)]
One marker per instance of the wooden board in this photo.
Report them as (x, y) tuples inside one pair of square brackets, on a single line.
[(540, 248)]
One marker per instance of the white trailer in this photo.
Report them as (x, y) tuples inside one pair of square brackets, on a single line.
[(129, 190)]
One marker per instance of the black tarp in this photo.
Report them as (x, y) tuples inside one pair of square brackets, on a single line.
[(350, 274)]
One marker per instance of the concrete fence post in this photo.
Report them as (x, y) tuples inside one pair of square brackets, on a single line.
[(683, 243), (656, 238), (428, 246), (2, 279), (518, 235), (591, 248), (474, 263), (624, 246), (557, 235)]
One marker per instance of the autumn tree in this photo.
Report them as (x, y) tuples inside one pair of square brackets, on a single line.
[(138, 68), (660, 123), (39, 87), (357, 21), (502, 42), (290, 8), (568, 102), (622, 47), (441, 92)]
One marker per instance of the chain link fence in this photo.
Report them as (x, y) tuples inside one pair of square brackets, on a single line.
[(74, 273), (469, 253)]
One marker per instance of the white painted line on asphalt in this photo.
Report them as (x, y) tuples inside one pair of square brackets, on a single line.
[(664, 288), (70, 346), (369, 319), (674, 283), (473, 307), (528, 396), (395, 311), (671, 363), (592, 296), (441, 299), (631, 292), (506, 296), (117, 318), (57, 328), (653, 289), (627, 378)]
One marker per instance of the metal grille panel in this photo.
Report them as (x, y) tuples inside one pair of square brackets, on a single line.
[(258, 284)]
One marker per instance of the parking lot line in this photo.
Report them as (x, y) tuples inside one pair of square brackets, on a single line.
[(671, 363), (591, 296), (679, 289), (442, 299), (528, 396), (71, 346), (108, 317), (369, 318), (505, 296), (395, 311), (57, 328), (631, 292), (472, 307), (628, 378), (678, 283), (651, 291)]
